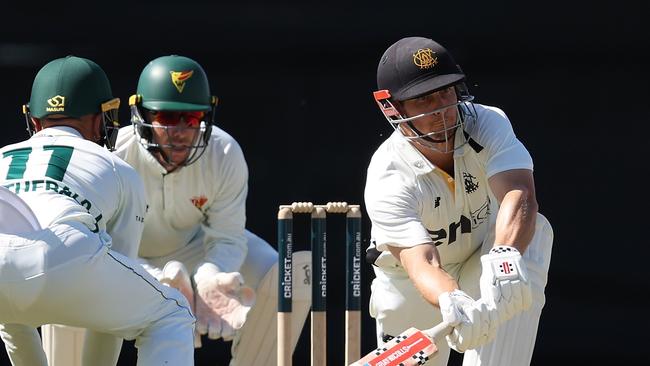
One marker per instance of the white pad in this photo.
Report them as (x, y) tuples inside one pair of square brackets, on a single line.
[(62, 344), (515, 340), (256, 342), (100, 349)]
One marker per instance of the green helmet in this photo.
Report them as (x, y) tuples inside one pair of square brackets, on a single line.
[(73, 87), (171, 84), (70, 86), (174, 83)]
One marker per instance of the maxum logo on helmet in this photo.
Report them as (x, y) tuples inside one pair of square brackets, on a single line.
[(179, 78), (57, 104), (425, 58)]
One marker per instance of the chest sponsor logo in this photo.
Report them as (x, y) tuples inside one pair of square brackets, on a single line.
[(199, 201), (436, 203), (450, 233), (464, 225)]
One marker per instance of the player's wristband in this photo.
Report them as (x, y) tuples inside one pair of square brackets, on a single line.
[(503, 249)]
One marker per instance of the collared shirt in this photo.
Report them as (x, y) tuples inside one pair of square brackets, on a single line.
[(63, 177), (410, 201), (205, 200)]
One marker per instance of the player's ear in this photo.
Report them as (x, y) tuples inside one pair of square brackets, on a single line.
[(36, 123), (96, 126), (97, 121), (399, 106)]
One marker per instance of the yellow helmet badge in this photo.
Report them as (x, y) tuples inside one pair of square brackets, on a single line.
[(179, 78), (56, 104), (425, 58)]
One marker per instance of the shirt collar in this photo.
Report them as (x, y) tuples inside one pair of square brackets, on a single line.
[(414, 158), (58, 131)]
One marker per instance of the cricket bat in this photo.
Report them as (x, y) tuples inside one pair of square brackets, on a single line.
[(411, 347)]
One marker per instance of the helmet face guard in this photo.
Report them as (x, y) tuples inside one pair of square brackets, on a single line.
[(441, 140), (110, 123), (200, 123)]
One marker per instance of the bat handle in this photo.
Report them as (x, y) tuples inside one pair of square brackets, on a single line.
[(439, 330)]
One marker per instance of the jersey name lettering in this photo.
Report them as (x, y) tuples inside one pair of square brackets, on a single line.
[(56, 168)]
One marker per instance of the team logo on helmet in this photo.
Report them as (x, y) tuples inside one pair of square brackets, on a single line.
[(425, 58), (57, 104), (179, 78)]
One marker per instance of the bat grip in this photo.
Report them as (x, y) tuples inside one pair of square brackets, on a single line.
[(439, 331)]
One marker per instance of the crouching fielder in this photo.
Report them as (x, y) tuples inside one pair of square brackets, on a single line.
[(451, 198)]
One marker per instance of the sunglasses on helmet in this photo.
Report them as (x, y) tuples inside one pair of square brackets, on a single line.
[(166, 118)]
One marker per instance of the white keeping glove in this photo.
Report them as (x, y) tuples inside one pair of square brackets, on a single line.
[(175, 275), (504, 282), (474, 323), (222, 303)]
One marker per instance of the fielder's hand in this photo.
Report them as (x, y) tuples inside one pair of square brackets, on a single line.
[(474, 323), (504, 282), (221, 304), (175, 275)]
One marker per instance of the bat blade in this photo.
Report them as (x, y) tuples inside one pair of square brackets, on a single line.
[(411, 347)]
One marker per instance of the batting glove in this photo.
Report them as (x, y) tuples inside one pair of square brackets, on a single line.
[(504, 282), (474, 323)]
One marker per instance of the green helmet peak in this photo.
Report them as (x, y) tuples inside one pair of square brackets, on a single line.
[(174, 83), (71, 86)]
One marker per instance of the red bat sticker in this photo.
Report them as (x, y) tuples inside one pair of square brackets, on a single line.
[(412, 347)]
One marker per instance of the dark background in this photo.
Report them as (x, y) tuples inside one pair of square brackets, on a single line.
[(295, 83)]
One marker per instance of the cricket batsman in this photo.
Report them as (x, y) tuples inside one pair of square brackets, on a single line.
[(456, 234)]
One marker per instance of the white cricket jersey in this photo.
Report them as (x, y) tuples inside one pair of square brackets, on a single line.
[(205, 199), (410, 201), (63, 177)]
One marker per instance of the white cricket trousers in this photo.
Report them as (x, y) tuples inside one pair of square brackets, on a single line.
[(396, 305), (66, 274)]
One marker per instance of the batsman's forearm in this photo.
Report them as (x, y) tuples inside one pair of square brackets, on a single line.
[(422, 263), (516, 219), (431, 281)]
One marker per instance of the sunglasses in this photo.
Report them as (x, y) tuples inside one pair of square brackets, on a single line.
[(191, 119)]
